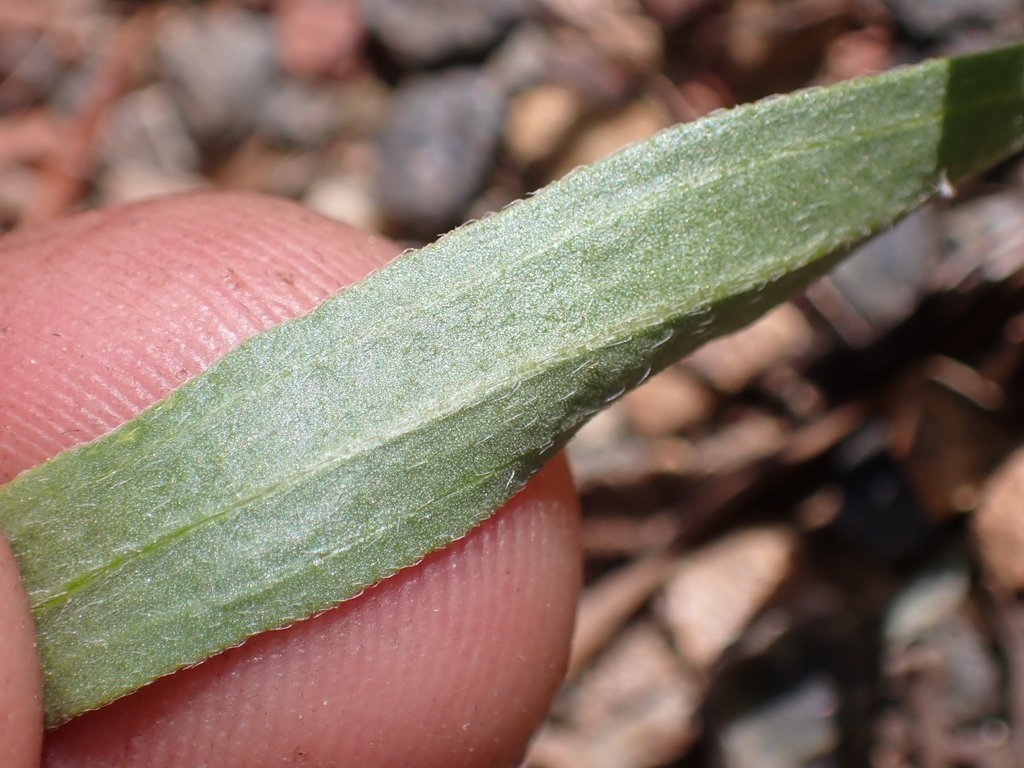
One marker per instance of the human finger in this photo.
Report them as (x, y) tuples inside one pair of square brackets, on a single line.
[(149, 296)]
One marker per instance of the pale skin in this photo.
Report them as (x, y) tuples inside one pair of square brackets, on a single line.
[(451, 662)]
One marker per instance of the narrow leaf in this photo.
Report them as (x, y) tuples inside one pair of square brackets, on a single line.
[(324, 454)]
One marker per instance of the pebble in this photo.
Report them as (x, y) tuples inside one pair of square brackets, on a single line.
[(30, 65), (601, 448), (925, 603), (973, 677), (320, 38), (929, 619), (674, 12), (621, 34), (126, 182), (19, 185), (578, 63), (985, 236), (797, 728), (30, 137), (435, 152), (430, 31), (524, 59), (998, 525), (879, 511), (935, 18), (300, 114), (756, 436), (146, 129), (347, 199), (221, 68), (953, 434), (539, 119)]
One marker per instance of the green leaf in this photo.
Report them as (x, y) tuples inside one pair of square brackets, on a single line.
[(324, 454)]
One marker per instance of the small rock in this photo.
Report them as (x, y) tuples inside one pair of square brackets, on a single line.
[(621, 33), (737, 444), (719, 588), (699, 95), (436, 150), (347, 199), (30, 65), (146, 129), (320, 38), (601, 447), (300, 114), (358, 106), (19, 185), (924, 604), (429, 31), (579, 64), (616, 536), (285, 173), (524, 59), (607, 606), (967, 676), (859, 53), (935, 18), (928, 621), (605, 452), (797, 729), (538, 121), (879, 510), (601, 433), (998, 525), (221, 67), (30, 136)]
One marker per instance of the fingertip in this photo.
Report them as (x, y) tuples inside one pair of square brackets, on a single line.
[(21, 696), (451, 662)]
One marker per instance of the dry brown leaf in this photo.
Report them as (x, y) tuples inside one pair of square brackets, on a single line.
[(998, 525), (718, 589)]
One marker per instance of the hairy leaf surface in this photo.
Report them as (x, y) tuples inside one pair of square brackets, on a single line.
[(323, 455)]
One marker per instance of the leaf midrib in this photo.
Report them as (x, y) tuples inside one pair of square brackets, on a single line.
[(489, 390)]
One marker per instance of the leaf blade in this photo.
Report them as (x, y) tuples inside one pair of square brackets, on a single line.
[(279, 482)]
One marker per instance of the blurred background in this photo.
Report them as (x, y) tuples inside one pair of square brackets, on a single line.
[(805, 543)]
